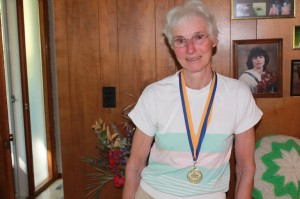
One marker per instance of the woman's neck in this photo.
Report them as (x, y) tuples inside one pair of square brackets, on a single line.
[(258, 70), (197, 80)]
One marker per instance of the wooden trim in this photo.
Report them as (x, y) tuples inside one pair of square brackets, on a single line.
[(25, 97), (6, 172), (45, 45)]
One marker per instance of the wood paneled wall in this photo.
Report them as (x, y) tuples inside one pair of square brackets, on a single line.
[(120, 43)]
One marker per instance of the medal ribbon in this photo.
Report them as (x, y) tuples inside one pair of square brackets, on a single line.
[(195, 141)]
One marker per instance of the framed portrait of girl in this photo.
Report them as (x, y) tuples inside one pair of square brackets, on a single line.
[(258, 64)]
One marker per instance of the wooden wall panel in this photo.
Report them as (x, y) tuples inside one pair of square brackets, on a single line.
[(121, 44), (281, 116), (85, 97), (136, 28), (221, 60), (109, 55), (77, 60), (165, 63), (62, 65)]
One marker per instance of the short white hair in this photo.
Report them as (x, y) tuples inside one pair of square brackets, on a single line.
[(187, 9)]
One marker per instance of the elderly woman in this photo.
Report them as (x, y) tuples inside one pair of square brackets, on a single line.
[(186, 122)]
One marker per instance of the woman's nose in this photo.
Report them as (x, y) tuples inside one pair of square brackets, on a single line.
[(190, 47)]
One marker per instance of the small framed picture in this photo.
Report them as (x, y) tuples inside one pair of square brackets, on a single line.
[(245, 9), (295, 78), (258, 63), (296, 37)]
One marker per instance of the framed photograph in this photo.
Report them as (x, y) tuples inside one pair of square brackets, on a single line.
[(295, 78), (258, 63), (253, 9), (296, 37)]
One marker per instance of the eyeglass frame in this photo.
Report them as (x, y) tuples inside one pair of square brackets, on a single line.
[(192, 39)]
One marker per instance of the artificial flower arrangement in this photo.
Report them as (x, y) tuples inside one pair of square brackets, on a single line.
[(113, 150), (268, 83)]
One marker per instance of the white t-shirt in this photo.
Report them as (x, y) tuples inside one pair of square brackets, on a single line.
[(159, 113)]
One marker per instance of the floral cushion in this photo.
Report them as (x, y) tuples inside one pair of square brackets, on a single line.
[(277, 174)]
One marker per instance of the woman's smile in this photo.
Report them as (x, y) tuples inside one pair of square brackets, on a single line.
[(193, 59)]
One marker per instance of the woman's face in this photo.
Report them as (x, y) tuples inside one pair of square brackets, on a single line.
[(258, 62), (193, 57)]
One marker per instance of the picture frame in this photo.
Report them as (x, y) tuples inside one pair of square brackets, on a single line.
[(295, 77), (256, 9), (296, 37), (258, 63)]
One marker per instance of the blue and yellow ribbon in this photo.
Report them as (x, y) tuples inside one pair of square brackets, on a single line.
[(195, 140)]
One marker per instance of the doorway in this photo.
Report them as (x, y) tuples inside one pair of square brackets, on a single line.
[(29, 94)]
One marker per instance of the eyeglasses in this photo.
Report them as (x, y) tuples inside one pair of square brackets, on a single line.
[(181, 42)]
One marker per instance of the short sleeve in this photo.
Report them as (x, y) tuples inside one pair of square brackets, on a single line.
[(144, 114), (248, 113)]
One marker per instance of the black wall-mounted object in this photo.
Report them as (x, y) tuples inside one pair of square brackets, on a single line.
[(109, 97)]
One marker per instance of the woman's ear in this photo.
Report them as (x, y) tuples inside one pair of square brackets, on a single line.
[(214, 49), (215, 43)]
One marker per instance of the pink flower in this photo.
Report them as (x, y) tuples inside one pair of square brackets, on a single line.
[(112, 159), (119, 181)]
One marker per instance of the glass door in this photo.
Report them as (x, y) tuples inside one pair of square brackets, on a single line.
[(37, 96), (11, 58), (36, 91)]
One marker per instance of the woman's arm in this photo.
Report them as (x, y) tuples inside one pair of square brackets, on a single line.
[(138, 158), (245, 165)]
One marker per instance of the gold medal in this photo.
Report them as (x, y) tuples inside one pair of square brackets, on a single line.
[(194, 176)]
